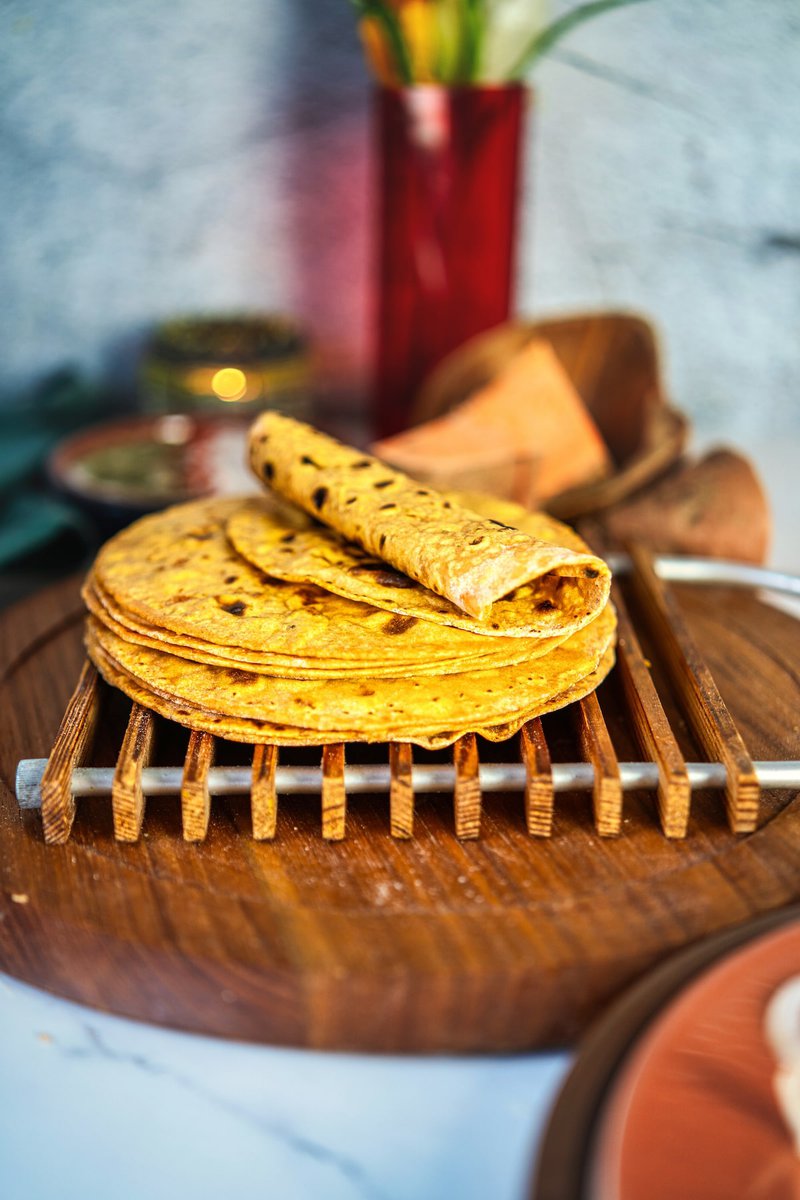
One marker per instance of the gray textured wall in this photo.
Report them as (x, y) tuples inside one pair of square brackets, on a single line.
[(158, 157)]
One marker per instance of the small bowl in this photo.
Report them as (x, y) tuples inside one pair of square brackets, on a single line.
[(120, 470)]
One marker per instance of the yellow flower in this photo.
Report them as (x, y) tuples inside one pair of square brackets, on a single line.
[(419, 22), (431, 31)]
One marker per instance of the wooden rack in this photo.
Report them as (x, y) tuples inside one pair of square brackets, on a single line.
[(56, 783)]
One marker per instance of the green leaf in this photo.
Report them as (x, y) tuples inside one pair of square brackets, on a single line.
[(543, 42), (474, 18), (453, 36)]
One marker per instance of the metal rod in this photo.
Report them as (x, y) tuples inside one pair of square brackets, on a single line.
[(289, 780), (676, 568)]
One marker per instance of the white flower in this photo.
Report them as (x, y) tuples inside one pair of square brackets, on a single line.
[(510, 26)]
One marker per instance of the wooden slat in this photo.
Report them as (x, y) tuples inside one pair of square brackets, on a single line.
[(539, 779), (653, 731), (598, 750), (467, 795), (711, 722), (127, 797), (74, 736), (263, 797), (651, 725), (334, 797), (401, 791), (195, 799)]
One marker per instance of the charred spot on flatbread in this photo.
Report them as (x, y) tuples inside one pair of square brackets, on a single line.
[(398, 624), (384, 575), (237, 675)]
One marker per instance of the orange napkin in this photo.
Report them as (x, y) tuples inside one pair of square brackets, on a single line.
[(525, 435)]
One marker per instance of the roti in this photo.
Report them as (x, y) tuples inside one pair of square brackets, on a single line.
[(128, 628), (464, 561), (258, 731), (380, 708), (175, 572), (551, 606)]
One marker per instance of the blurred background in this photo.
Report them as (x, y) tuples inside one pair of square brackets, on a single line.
[(160, 158)]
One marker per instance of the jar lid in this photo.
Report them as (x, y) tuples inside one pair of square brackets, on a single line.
[(235, 338)]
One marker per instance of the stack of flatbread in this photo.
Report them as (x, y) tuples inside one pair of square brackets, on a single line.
[(350, 603)]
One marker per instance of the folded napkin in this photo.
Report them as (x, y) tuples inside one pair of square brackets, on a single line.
[(30, 513)]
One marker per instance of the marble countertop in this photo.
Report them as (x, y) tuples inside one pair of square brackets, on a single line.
[(95, 1106)]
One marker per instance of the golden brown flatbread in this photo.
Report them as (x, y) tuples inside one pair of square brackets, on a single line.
[(381, 708), (468, 560), (240, 729), (551, 606), (129, 628), (175, 571)]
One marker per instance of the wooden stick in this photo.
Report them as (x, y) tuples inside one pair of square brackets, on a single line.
[(651, 726), (401, 791), (539, 796), (467, 794), (598, 750), (127, 797), (334, 797), (263, 797), (708, 715), (72, 740), (195, 799)]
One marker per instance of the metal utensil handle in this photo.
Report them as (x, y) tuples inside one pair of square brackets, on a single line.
[(291, 780), (677, 568)]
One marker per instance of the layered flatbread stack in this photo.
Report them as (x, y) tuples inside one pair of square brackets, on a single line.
[(350, 603)]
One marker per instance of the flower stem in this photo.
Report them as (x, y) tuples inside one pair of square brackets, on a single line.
[(474, 23)]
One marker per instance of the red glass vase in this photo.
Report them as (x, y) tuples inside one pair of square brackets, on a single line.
[(449, 170)]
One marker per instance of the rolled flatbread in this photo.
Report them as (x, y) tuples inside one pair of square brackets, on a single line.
[(470, 560)]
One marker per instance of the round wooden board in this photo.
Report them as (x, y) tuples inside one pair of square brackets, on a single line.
[(426, 945)]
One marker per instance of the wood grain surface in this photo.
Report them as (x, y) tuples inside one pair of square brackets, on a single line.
[(421, 943), (539, 795), (653, 733), (711, 722), (127, 798), (264, 799), (75, 735)]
